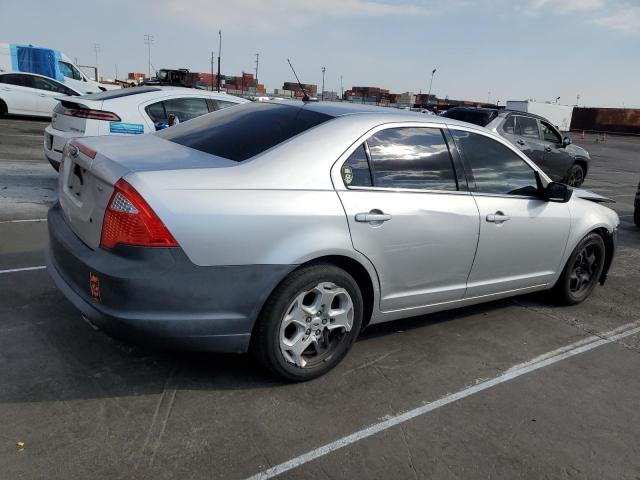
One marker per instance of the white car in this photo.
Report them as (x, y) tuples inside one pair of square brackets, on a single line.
[(130, 111), (30, 94)]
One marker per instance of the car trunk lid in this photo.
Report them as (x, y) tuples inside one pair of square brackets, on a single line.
[(92, 166)]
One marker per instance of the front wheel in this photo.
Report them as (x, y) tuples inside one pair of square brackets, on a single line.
[(582, 271), (308, 323), (575, 176)]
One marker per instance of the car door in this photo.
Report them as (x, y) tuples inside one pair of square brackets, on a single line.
[(48, 93), (410, 215), (528, 138), (16, 90), (556, 161), (522, 237)]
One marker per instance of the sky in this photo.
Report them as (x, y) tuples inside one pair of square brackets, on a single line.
[(482, 49)]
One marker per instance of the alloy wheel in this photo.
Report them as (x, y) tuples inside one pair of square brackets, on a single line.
[(315, 323), (585, 268), (576, 177)]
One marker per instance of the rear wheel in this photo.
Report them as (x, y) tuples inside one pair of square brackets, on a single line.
[(309, 323), (582, 271), (575, 176), (3, 108)]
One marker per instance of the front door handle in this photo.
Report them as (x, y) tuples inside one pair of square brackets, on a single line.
[(498, 217), (372, 217), (521, 142), (547, 149), (42, 94)]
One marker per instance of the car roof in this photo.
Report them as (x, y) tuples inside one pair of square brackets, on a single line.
[(501, 111)]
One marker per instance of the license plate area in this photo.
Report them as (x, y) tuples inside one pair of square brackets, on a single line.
[(76, 182)]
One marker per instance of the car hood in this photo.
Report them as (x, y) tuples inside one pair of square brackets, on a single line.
[(592, 196)]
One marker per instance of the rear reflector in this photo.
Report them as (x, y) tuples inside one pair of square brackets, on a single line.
[(129, 220)]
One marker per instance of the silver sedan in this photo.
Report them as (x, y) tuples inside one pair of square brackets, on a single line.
[(285, 228)]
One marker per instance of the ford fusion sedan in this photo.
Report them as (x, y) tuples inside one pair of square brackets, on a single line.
[(129, 111), (285, 228), (536, 137)]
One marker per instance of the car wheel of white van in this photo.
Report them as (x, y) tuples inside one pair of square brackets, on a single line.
[(582, 271), (309, 322)]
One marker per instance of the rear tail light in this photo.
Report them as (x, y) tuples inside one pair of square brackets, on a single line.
[(87, 113), (129, 220)]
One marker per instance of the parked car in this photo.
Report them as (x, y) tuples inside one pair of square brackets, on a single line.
[(536, 137), (30, 94), (636, 207), (285, 228), (129, 111)]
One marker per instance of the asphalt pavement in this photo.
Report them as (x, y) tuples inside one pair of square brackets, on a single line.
[(516, 388)]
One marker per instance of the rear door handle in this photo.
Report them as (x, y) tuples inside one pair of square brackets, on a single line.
[(498, 217), (547, 149), (372, 217)]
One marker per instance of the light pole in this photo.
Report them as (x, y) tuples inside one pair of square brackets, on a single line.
[(219, 53), (148, 40), (257, 63), (341, 89), (323, 70), (96, 48), (433, 72)]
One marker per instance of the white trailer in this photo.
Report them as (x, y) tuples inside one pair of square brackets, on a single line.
[(558, 115)]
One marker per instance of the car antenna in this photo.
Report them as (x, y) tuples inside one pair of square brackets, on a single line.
[(306, 96)]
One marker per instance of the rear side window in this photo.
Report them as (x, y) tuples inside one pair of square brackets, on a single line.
[(244, 131), (16, 79), (495, 168), (186, 108), (220, 104), (156, 112), (509, 125), (527, 127), (355, 171), (416, 158)]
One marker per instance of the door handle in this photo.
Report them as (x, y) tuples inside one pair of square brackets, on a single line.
[(521, 142), (372, 217), (498, 217), (547, 149), (42, 94)]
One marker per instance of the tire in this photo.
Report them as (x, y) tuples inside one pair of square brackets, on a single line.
[(574, 286), (294, 311), (3, 109), (636, 216), (575, 176)]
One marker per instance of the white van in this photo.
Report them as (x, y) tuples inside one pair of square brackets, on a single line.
[(47, 62)]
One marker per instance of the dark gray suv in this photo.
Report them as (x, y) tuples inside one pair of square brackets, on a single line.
[(536, 137)]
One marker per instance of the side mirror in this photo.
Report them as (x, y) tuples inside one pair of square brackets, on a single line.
[(557, 192), (566, 141)]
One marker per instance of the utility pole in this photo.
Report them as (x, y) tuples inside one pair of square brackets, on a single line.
[(341, 89), (257, 63), (433, 72), (148, 40), (212, 71), (219, 53), (324, 69), (96, 48), (116, 71)]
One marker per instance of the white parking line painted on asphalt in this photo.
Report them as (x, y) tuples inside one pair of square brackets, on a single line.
[(537, 363), (25, 221), (25, 269)]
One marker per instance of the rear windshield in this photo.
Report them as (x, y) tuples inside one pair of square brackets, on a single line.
[(477, 117), (244, 131)]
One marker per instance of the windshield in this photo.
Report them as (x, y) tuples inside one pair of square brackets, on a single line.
[(244, 131)]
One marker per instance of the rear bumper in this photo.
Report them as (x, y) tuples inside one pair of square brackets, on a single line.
[(156, 295), (53, 150)]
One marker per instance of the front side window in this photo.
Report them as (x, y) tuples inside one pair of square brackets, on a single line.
[(69, 70), (355, 170), (527, 127), (186, 108), (408, 157), (496, 169), (549, 133)]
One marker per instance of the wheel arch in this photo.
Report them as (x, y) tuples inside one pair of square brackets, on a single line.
[(583, 163), (609, 249)]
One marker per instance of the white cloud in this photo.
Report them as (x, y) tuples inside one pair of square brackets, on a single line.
[(627, 20), (276, 14), (563, 7)]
